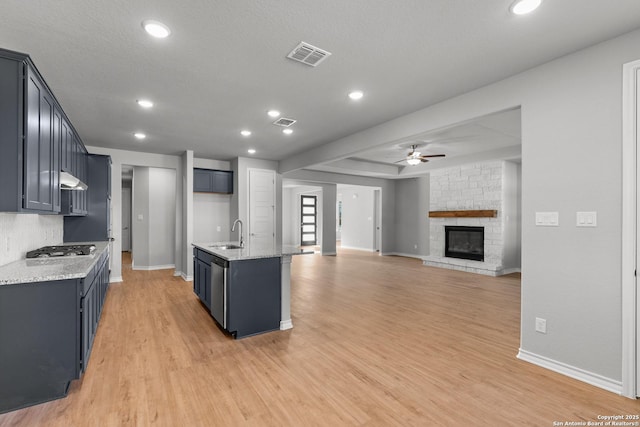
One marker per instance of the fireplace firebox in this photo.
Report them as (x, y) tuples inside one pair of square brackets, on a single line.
[(464, 242)]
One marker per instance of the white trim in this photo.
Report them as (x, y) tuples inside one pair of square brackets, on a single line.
[(117, 279), (403, 254), (629, 232), (153, 267), (286, 324), (511, 270), (571, 371), (186, 277), (327, 253), (358, 248)]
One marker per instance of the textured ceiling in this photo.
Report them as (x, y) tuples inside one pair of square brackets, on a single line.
[(225, 63)]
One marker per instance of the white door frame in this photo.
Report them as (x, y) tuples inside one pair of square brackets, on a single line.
[(631, 74)]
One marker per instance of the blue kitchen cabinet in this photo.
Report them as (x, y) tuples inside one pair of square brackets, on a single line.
[(95, 225), (47, 330), (212, 181), (37, 142)]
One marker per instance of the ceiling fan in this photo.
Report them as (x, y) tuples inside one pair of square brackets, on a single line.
[(415, 157)]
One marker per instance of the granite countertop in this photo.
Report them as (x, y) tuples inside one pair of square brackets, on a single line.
[(251, 252), (55, 268)]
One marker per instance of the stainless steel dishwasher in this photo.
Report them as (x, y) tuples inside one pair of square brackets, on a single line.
[(219, 269)]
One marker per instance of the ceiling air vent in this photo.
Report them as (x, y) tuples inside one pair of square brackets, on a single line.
[(308, 54), (284, 122)]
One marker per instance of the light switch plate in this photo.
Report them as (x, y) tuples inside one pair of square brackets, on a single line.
[(586, 219), (547, 219)]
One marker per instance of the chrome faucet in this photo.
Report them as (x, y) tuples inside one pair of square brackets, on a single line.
[(233, 228)]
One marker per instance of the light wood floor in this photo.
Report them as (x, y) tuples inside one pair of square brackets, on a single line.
[(376, 341)]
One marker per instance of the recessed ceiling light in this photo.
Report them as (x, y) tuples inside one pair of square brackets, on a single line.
[(251, 151), (273, 113), (145, 103), (156, 29), (356, 94), (522, 7), (245, 132), (287, 131), (140, 135)]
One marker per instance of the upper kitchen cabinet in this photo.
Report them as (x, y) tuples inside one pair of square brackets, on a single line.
[(34, 136), (96, 225), (212, 181)]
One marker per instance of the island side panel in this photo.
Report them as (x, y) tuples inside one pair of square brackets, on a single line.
[(285, 289), (253, 301)]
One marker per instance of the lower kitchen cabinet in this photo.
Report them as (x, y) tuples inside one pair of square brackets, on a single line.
[(46, 334), (202, 276)]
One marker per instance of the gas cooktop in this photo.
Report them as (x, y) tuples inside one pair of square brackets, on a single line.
[(62, 250)]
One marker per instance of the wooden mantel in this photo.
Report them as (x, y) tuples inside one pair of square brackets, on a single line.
[(487, 213)]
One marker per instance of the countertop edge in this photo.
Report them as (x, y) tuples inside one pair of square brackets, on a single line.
[(21, 265), (245, 253)]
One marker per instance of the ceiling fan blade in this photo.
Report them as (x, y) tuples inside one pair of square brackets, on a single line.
[(423, 160), (400, 161), (433, 155)]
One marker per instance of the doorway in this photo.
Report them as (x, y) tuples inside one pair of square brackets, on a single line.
[(630, 230), (308, 220)]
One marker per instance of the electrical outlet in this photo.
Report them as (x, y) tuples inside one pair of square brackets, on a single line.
[(415, 246), (541, 325), (218, 228)]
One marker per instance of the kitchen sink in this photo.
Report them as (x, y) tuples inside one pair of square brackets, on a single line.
[(226, 246)]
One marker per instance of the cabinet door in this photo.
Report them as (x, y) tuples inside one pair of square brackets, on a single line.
[(206, 286), (38, 147), (223, 182), (55, 157), (88, 307), (196, 276), (202, 180)]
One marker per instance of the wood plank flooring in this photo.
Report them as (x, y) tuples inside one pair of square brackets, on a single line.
[(377, 341)]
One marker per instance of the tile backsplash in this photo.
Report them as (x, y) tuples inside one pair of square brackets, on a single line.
[(20, 233)]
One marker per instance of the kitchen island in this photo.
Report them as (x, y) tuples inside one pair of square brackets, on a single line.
[(247, 290)]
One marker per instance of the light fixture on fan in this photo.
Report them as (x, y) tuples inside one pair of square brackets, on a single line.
[(415, 157)]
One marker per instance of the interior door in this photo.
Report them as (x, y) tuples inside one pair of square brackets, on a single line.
[(637, 251), (126, 219), (262, 203), (308, 220)]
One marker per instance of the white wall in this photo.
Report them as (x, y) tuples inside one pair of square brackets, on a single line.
[(212, 217), (135, 158), (140, 217), (21, 233), (412, 222), (154, 218), (358, 228), (512, 216), (571, 161)]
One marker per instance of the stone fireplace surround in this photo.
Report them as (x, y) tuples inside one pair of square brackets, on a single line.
[(478, 186)]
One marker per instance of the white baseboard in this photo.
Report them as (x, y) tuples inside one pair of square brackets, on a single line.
[(357, 248), (186, 278), (286, 324), (153, 267), (511, 270), (572, 372), (115, 279), (177, 273), (328, 253), (403, 254)]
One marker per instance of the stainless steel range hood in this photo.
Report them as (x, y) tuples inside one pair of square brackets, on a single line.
[(70, 182)]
